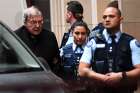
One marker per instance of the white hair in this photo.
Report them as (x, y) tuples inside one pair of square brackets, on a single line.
[(31, 11)]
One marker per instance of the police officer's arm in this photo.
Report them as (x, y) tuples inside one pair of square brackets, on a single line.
[(124, 79), (135, 48), (86, 71), (134, 74), (85, 63), (129, 76)]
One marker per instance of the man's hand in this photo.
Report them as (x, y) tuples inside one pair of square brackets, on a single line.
[(113, 79)]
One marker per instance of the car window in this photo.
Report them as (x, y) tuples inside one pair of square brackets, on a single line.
[(14, 57)]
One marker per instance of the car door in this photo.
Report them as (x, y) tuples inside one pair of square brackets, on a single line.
[(21, 70)]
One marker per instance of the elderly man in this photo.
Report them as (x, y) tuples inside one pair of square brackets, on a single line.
[(42, 42)]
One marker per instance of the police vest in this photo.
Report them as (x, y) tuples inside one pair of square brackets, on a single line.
[(122, 62), (70, 62)]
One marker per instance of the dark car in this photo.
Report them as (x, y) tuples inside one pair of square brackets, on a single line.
[(21, 71)]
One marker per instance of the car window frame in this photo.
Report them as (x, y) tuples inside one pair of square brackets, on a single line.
[(10, 36)]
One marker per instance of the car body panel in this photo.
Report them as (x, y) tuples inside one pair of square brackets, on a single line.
[(21, 71), (43, 82)]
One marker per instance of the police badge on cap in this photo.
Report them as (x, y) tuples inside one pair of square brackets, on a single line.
[(137, 43)]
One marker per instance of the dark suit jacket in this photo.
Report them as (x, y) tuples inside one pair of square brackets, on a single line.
[(43, 45)]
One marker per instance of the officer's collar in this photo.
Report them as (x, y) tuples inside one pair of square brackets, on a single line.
[(75, 45), (107, 36)]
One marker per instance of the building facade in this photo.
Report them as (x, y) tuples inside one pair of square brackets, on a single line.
[(54, 14), (93, 9)]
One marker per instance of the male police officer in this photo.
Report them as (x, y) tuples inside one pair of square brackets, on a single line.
[(74, 13), (95, 30), (114, 57)]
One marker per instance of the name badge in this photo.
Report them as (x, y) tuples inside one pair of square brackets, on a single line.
[(100, 45), (68, 55)]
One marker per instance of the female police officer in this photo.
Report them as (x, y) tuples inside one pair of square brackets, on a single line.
[(72, 52)]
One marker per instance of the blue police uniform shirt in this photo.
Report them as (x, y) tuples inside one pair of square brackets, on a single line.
[(135, 48), (91, 46), (70, 39)]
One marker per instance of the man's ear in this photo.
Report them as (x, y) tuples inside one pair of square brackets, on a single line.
[(69, 14), (121, 18), (25, 23)]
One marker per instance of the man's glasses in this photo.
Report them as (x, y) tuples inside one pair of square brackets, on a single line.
[(34, 22)]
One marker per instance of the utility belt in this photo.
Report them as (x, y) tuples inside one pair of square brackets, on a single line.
[(71, 71)]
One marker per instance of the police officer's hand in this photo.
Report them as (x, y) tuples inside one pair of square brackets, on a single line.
[(113, 79), (100, 80), (96, 79)]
